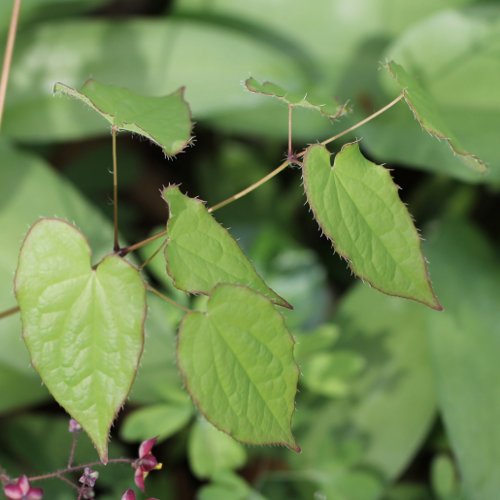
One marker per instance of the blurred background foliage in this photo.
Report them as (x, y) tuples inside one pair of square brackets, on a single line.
[(396, 402)]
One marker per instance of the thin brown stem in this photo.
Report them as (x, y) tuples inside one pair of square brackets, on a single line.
[(167, 299), (9, 50), (153, 255), (72, 449), (59, 473), (132, 248), (290, 112), (9, 312), (116, 245), (285, 164), (362, 122)]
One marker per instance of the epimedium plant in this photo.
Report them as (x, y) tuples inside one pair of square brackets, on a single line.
[(83, 320)]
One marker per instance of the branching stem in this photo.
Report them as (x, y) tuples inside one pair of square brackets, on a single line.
[(153, 255), (9, 312), (132, 248), (116, 245), (285, 164), (9, 50), (59, 473), (167, 299)]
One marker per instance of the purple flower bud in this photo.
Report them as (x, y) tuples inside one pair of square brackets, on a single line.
[(74, 426), (21, 490), (89, 477)]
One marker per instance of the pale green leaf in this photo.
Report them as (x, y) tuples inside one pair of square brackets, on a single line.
[(357, 206), (465, 348), (237, 362), (332, 110), (166, 121), (200, 253), (210, 451), (162, 420), (426, 111), (83, 341), (443, 477)]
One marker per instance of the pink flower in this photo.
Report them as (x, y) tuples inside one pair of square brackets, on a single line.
[(21, 490), (130, 495), (145, 463)]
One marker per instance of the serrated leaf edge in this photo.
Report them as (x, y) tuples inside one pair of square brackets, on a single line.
[(102, 452), (436, 305)]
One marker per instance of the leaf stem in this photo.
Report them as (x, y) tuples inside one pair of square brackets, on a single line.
[(9, 50), (132, 248), (116, 245), (59, 473), (167, 299), (72, 449), (153, 255), (290, 112), (9, 312), (285, 164)]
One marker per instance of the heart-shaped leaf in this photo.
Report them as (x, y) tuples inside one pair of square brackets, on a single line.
[(426, 112), (83, 326), (327, 107), (166, 120), (357, 206), (237, 362), (200, 253)]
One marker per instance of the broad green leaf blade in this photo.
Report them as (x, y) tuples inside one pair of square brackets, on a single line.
[(83, 326), (161, 420), (356, 204), (200, 253), (210, 451), (166, 120), (426, 112), (237, 362), (465, 348), (332, 110)]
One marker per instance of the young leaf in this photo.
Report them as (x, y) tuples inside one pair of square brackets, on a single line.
[(332, 109), (426, 112), (166, 120), (83, 326), (356, 204), (237, 362), (200, 253)]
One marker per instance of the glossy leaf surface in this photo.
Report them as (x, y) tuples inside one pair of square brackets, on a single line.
[(237, 362), (83, 341), (357, 206), (166, 121), (200, 253)]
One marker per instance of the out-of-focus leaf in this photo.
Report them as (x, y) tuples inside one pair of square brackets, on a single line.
[(210, 451), (237, 362), (228, 486), (395, 401), (22, 201), (146, 56), (82, 340), (443, 477), (465, 347), (166, 121), (161, 420), (427, 113), (356, 204)]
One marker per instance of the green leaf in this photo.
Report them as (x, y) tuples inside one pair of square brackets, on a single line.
[(166, 121), (465, 349), (443, 477), (356, 204), (83, 341), (228, 486), (200, 253), (426, 111), (162, 420), (210, 451), (332, 110), (237, 362)]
